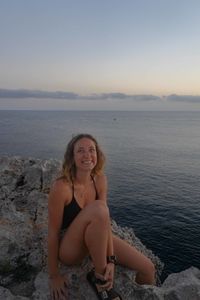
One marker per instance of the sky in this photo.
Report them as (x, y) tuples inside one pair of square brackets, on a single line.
[(109, 54)]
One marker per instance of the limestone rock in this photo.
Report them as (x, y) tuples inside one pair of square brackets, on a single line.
[(183, 286), (24, 186), (5, 294)]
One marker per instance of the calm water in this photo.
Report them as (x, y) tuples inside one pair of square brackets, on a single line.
[(153, 168)]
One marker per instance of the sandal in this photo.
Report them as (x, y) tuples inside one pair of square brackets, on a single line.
[(96, 285)]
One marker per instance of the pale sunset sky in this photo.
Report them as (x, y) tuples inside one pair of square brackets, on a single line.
[(109, 54)]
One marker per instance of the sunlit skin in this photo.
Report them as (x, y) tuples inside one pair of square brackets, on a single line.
[(90, 232)]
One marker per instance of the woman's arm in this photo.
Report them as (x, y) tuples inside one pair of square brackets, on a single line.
[(57, 198), (102, 187)]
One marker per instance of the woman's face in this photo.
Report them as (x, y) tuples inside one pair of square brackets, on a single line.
[(85, 154)]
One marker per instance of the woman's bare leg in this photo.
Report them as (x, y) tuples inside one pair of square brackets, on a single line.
[(130, 257), (96, 239), (88, 233)]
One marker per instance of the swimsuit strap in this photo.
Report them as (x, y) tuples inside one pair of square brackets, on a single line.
[(72, 190), (95, 187), (96, 198)]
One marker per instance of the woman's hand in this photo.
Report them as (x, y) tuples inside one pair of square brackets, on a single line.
[(58, 287), (109, 275)]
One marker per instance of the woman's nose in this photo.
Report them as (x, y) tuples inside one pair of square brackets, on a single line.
[(86, 154)]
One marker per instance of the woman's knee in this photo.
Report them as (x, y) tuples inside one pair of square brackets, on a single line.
[(147, 275), (150, 268), (100, 212)]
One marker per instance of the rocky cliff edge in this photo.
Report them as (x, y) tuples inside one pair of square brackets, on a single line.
[(24, 187)]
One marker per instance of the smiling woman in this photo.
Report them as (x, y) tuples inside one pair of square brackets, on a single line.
[(78, 209), (79, 149)]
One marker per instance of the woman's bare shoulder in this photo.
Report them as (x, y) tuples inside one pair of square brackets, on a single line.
[(61, 189), (101, 180), (100, 177), (60, 184)]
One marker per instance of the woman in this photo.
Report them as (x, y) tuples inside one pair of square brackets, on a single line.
[(77, 205)]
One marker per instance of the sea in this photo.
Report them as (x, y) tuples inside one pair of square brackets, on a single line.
[(152, 165)]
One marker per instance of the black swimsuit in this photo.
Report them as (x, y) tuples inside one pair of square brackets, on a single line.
[(72, 209)]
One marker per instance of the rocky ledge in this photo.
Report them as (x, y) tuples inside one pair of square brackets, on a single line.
[(24, 186)]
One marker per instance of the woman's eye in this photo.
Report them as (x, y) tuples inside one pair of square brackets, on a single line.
[(80, 151)]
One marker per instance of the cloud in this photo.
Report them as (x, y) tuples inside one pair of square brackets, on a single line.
[(121, 96), (38, 94), (22, 93), (145, 97), (107, 96), (183, 98), (6, 93)]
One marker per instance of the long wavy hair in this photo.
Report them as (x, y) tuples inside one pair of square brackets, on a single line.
[(68, 170)]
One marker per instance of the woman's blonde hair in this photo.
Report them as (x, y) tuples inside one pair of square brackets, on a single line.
[(68, 170)]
